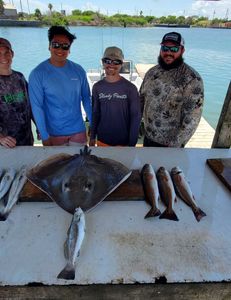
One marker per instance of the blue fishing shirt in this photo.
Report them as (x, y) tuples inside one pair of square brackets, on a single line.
[(56, 94)]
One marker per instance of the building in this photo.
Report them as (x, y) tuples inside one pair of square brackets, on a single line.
[(10, 11)]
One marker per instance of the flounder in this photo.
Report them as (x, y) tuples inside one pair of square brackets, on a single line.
[(80, 180)]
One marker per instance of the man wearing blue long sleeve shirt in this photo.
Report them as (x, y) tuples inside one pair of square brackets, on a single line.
[(57, 88)]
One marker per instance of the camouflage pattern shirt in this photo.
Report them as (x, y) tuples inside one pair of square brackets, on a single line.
[(15, 112), (171, 103)]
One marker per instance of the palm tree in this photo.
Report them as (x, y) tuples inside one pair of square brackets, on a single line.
[(50, 6)]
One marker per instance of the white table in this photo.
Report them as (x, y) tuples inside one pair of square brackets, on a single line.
[(121, 246)]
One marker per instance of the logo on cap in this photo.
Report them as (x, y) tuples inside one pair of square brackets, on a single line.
[(174, 37)]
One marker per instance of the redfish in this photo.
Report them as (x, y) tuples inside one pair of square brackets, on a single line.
[(184, 191), (151, 190), (167, 194)]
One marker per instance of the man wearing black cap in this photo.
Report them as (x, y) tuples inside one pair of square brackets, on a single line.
[(15, 112), (172, 96)]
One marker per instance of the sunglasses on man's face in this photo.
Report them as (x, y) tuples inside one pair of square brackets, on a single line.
[(64, 46), (109, 61), (170, 48)]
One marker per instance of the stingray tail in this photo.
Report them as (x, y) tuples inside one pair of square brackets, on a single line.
[(169, 214), (199, 214), (153, 212), (67, 273)]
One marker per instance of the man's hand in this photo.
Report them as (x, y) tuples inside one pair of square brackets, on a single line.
[(47, 142), (7, 141)]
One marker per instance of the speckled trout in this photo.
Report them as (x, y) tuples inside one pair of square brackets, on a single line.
[(184, 191), (12, 196), (151, 190), (167, 194), (6, 181), (73, 244)]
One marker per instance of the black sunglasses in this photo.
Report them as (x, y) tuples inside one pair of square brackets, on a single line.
[(109, 61), (64, 46), (170, 48)]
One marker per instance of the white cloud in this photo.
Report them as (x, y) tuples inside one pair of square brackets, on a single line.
[(210, 8)]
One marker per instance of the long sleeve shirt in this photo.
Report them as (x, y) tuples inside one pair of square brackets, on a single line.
[(15, 111), (171, 103), (116, 112), (56, 94)]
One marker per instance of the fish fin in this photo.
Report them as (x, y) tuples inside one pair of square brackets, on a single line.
[(170, 215), (67, 273), (153, 213), (199, 214), (85, 151)]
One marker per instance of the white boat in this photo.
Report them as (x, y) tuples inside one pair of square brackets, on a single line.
[(127, 71)]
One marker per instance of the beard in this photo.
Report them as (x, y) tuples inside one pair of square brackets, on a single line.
[(177, 62)]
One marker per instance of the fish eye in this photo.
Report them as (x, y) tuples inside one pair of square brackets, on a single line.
[(66, 187), (87, 186)]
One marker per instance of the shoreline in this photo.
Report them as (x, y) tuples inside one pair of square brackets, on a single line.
[(35, 23)]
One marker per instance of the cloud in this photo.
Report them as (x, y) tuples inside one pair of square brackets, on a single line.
[(210, 8)]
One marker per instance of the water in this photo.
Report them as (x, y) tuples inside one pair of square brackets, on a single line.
[(207, 50)]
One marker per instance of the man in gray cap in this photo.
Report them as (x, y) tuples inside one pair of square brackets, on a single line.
[(116, 105), (172, 96), (15, 112)]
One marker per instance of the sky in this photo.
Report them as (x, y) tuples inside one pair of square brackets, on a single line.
[(210, 9)]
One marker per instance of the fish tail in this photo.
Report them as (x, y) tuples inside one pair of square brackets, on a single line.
[(67, 273), (199, 214), (153, 212), (3, 217), (169, 214)]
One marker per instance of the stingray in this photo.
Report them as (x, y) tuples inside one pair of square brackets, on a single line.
[(79, 180)]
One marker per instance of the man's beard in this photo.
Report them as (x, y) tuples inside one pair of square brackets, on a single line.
[(177, 62)]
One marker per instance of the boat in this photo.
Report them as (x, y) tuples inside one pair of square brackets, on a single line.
[(127, 71)]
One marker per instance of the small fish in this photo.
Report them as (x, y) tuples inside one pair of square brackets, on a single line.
[(167, 194), (12, 196), (184, 191), (73, 244), (6, 181), (151, 190)]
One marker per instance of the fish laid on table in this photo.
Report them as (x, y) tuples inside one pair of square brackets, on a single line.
[(185, 193), (80, 180), (6, 181), (151, 190), (73, 244), (167, 194), (12, 196)]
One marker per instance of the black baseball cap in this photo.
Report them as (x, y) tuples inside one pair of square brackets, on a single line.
[(174, 37)]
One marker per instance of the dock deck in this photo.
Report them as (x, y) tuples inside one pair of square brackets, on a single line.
[(203, 137)]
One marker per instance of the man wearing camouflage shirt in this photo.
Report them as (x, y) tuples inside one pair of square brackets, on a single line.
[(172, 96)]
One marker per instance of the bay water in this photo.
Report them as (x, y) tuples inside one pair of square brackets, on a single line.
[(207, 50)]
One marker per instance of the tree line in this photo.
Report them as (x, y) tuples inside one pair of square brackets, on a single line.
[(95, 18)]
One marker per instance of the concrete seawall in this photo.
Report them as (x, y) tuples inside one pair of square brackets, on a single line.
[(18, 23)]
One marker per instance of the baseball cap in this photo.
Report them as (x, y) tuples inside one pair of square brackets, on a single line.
[(5, 43), (113, 53), (174, 37)]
